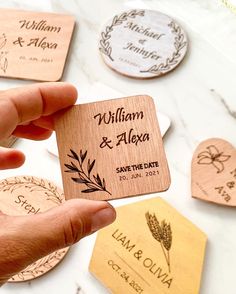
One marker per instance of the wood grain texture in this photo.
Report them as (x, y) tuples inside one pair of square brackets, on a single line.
[(142, 43), (27, 195), (214, 172), (112, 149), (34, 45), (8, 142), (150, 248)]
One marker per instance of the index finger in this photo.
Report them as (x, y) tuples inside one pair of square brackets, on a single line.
[(29, 103)]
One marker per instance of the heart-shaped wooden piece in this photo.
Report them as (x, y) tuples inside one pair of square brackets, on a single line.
[(214, 172)]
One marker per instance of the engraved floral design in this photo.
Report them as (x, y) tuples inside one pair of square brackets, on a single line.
[(214, 157), (94, 183), (180, 43), (39, 267), (162, 233), (117, 20), (33, 184)]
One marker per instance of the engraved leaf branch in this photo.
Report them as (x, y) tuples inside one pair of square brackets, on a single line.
[(162, 233), (94, 183), (117, 20), (179, 44), (33, 185), (213, 156)]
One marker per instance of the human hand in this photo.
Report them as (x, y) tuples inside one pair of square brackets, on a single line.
[(28, 112)]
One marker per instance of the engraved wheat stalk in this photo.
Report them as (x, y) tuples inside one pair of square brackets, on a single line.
[(162, 233)]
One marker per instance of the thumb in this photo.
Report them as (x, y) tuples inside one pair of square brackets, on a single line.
[(70, 222), (25, 239)]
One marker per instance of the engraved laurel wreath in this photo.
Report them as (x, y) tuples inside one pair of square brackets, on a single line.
[(105, 46), (180, 42), (3, 58), (32, 184), (40, 266)]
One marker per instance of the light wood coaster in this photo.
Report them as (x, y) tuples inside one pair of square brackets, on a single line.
[(150, 248), (142, 43), (34, 45), (27, 195), (112, 149), (214, 172)]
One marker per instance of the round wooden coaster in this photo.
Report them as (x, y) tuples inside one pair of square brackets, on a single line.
[(142, 43), (27, 195)]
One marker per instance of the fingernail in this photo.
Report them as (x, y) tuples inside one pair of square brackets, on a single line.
[(103, 218)]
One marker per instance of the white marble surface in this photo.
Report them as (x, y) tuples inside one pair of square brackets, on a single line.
[(199, 97)]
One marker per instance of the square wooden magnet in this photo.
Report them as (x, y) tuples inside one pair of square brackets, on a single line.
[(112, 149), (34, 45)]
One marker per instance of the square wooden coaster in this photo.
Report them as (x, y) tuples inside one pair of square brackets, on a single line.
[(34, 45), (112, 149)]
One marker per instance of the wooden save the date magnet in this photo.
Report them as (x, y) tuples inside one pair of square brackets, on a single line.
[(150, 248), (34, 45), (112, 149)]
